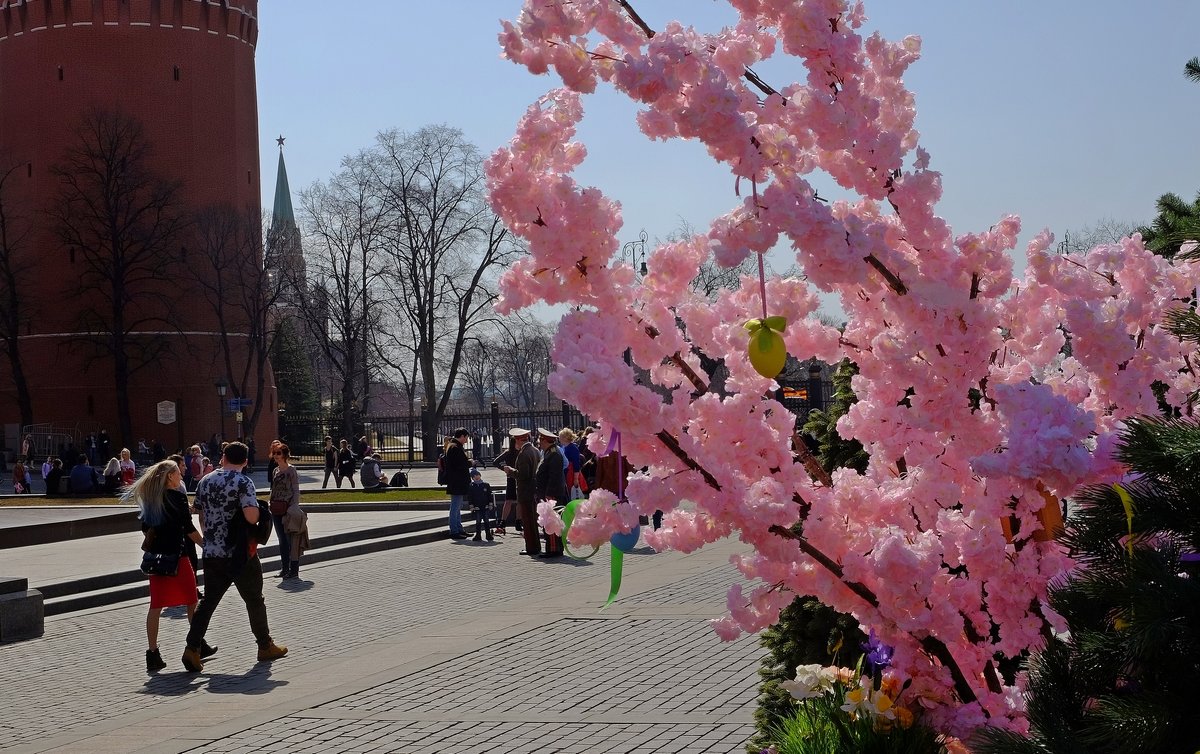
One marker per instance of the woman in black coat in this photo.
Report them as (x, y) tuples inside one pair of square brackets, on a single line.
[(504, 461), (346, 462), (167, 524)]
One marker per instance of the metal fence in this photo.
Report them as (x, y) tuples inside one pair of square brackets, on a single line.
[(403, 439), (50, 439)]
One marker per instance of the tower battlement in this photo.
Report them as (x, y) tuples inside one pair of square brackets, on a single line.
[(237, 19)]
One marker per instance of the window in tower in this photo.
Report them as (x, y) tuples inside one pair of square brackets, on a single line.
[(176, 73)]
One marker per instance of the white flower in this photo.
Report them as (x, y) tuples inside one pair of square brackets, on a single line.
[(811, 681)]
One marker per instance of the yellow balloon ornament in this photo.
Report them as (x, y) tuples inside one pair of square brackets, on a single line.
[(768, 354)]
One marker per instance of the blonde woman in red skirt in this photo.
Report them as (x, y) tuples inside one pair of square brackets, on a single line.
[(167, 524)]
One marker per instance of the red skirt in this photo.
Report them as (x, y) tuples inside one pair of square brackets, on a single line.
[(170, 591)]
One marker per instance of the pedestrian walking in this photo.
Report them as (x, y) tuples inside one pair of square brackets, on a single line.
[(166, 527), (331, 464), (229, 510), (458, 480), (346, 463), (285, 492)]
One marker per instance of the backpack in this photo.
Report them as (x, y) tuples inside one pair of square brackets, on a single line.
[(262, 529)]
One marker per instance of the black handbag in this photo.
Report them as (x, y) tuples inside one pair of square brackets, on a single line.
[(157, 564)]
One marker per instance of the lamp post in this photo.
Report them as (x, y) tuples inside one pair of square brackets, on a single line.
[(634, 252), (222, 386)]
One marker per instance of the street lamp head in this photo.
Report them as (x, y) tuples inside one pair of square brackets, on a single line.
[(221, 385), (634, 252)]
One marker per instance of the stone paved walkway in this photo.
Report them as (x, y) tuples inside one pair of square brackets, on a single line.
[(445, 647)]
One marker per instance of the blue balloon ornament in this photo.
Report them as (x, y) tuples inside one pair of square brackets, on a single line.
[(625, 542)]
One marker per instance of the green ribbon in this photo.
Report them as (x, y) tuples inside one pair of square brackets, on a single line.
[(774, 324), (616, 557)]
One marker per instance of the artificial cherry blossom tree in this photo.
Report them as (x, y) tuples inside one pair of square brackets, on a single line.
[(970, 410)]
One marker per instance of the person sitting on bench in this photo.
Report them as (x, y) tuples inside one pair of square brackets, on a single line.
[(372, 476)]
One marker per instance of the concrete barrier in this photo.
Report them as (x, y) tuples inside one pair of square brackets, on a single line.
[(22, 613)]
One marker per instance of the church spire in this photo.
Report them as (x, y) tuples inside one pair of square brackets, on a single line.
[(284, 253), (282, 215)]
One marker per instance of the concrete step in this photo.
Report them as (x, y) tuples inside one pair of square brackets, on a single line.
[(111, 588), (124, 519)]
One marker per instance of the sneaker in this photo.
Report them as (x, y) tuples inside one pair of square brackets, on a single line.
[(270, 652), (490, 537), (461, 535), (191, 660), (478, 538), (206, 651), (498, 530), (154, 661)]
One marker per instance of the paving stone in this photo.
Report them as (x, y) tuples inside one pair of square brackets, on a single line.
[(477, 649)]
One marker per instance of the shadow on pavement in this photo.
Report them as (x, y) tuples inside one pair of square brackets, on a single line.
[(256, 680), (167, 683), (643, 550), (564, 560), (294, 585)]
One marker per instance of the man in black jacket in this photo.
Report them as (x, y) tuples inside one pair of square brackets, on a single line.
[(458, 480), (551, 484), (524, 473)]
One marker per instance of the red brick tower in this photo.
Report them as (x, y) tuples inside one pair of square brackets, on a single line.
[(184, 69)]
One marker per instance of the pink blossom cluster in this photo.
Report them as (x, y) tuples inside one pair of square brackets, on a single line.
[(976, 390)]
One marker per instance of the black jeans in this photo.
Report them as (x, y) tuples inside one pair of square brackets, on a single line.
[(483, 522), (285, 544), (337, 477), (218, 577)]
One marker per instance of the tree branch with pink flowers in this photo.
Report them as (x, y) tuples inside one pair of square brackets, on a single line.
[(915, 550)]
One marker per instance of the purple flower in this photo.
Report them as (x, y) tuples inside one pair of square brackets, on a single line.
[(879, 655)]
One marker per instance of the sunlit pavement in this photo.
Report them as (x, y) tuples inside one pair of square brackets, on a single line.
[(443, 647)]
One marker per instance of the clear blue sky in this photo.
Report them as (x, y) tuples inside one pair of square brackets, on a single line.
[(1063, 112)]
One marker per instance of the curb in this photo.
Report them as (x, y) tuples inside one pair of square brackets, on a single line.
[(126, 520), (98, 591)]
